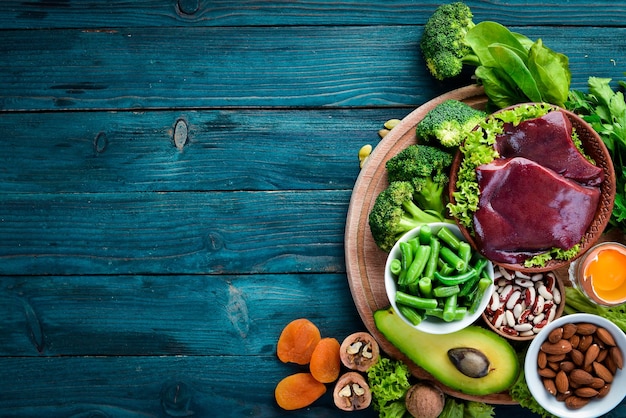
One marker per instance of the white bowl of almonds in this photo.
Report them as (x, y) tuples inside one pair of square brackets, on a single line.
[(522, 304), (573, 367)]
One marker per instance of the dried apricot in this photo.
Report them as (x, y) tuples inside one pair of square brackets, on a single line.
[(325, 360), (298, 391), (297, 341)]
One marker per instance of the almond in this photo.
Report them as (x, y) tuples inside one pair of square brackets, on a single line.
[(560, 347), (561, 382), (602, 372), (550, 386), (610, 364), (567, 366), (577, 357), (569, 330), (591, 354), (616, 355), (580, 377), (546, 372), (575, 402), (542, 359), (586, 328), (604, 391), (605, 336), (574, 340), (555, 335), (597, 383), (586, 392), (555, 358), (585, 342)]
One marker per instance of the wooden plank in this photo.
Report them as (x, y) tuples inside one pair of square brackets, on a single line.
[(157, 315), (92, 152), (132, 387), (97, 14), (173, 233), (250, 66)]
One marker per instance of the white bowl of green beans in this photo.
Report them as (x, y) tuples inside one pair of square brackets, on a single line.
[(436, 281)]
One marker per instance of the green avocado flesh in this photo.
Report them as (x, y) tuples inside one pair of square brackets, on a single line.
[(430, 352)]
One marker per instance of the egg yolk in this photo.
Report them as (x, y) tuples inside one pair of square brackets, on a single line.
[(607, 275)]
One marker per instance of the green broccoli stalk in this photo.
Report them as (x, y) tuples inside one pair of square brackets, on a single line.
[(448, 123), (426, 168), (394, 213), (443, 41)]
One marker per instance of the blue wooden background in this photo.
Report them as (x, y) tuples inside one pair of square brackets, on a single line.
[(175, 178)]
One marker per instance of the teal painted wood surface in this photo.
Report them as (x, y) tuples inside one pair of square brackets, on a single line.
[(223, 150), (166, 315), (174, 232), (99, 14), (296, 66), (174, 182)]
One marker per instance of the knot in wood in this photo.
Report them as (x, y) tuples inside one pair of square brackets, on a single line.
[(176, 399), (100, 142), (181, 133), (188, 7)]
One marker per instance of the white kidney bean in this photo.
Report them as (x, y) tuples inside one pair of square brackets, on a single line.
[(512, 300), (522, 304)]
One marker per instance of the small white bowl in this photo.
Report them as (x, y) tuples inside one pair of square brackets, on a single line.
[(432, 325), (596, 407)]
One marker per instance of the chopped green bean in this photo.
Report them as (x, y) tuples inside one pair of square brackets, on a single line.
[(447, 236), (426, 287), (459, 313), (415, 301), (406, 252), (481, 288), (450, 257), (431, 265), (418, 264), (457, 279), (395, 266), (449, 308), (425, 234), (444, 268), (465, 253), (411, 314), (445, 291)]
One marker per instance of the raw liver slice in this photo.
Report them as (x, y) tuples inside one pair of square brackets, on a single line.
[(526, 209), (548, 141)]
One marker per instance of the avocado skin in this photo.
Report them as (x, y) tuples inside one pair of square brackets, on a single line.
[(429, 352)]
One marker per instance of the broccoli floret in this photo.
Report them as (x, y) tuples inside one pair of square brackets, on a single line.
[(394, 213), (443, 42), (448, 123), (426, 168)]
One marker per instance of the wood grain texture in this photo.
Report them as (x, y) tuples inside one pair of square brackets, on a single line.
[(174, 233), (299, 66), (166, 315), (167, 13), (150, 386), (92, 152)]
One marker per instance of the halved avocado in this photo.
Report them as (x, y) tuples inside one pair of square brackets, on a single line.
[(430, 352)]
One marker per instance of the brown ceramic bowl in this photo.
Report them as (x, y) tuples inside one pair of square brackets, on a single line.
[(531, 315), (595, 148)]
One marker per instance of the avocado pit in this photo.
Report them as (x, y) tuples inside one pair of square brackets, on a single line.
[(469, 361)]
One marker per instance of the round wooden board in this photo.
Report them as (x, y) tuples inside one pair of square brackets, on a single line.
[(365, 262)]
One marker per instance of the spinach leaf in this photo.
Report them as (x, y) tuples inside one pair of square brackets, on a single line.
[(551, 72), (484, 34), (500, 89), (515, 67)]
